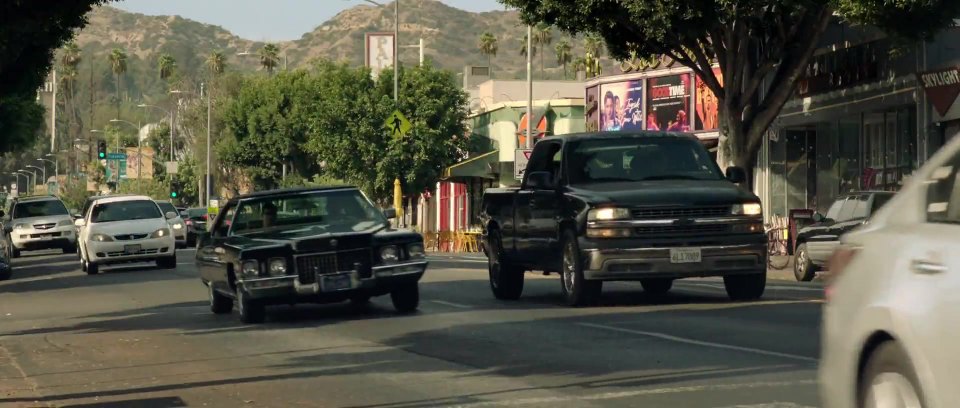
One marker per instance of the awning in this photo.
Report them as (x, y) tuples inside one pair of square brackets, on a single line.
[(475, 167)]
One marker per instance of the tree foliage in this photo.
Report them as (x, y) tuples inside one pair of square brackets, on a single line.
[(269, 57), (753, 42), (488, 46)]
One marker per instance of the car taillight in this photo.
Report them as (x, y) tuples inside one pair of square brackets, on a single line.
[(189, 222), (837, 263)]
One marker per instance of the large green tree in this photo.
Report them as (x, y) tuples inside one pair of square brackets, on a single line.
[(30, 33), (761, 46)]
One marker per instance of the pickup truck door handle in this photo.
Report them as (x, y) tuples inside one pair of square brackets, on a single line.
[(926, 267)]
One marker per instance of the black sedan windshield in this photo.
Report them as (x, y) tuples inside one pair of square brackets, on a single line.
[(639, 159), (341, 210), (125, 211)]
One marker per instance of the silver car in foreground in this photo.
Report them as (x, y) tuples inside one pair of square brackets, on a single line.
[(891, 325)]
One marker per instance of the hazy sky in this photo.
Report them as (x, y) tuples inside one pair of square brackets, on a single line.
[(268, 20)]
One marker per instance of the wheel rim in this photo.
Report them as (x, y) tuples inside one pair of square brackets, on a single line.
[(801, 265), (241, 304), (210, 293), (494, 263), (892, 390), (569, 270)]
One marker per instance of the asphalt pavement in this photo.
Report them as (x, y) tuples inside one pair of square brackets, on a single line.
[(137, 336)]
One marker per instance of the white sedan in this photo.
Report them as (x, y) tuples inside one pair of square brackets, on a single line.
[(891, 326), (126, 229)]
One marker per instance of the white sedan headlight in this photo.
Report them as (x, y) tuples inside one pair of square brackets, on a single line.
[(160, 233), (747, 209), (101, 238), (608, 214), (178, 226), (250, 268), (278, 266)]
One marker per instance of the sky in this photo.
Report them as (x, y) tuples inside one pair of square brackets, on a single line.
[(268, 20)]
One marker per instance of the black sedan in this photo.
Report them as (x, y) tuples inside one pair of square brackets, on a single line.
[(310, 245), (196, 222), (816, 242)]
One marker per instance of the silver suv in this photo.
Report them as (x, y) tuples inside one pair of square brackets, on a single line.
[(37, 223)]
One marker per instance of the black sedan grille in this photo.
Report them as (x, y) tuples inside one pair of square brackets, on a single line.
[(309, 266), (681, 212)]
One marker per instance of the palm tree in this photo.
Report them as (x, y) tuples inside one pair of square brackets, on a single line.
[(523, 48), (488, 46), (579, 64), (542, 36), (594, 45), (216, 63), (69, 62), (166, 64), (269, 57), (118, 64), (564, 55)]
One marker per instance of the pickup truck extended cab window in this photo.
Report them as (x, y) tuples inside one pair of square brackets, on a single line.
[(635, 159)]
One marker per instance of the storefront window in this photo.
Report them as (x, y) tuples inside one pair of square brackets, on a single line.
[(801, 168), (778, 185), (907, 131), (872, 151), (848, 154), (827, 176)]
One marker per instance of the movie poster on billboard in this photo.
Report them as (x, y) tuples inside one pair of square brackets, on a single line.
[(592, 109), (621, 106), (708, 106), (668, 103), (379, 52)]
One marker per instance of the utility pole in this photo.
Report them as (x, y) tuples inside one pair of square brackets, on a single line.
[(529, 144), (209, 189), (53, 122)]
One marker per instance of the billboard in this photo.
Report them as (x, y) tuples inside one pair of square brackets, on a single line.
[(378, 52), (592, 109), (668, 103), (707, 104), (621, 106)]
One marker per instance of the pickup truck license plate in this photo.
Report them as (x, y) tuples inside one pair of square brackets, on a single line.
[(685, 255), (131, 249), (332, 283)]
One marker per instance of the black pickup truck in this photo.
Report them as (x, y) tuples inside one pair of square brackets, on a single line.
[(646, 206)]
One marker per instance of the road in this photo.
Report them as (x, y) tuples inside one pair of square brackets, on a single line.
[(144, 337)]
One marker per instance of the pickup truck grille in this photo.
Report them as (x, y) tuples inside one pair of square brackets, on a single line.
[(682, 229), (309, 266), (681, 212)]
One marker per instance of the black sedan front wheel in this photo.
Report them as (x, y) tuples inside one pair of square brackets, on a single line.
[(406, 297), (219, 304), (252, 311)]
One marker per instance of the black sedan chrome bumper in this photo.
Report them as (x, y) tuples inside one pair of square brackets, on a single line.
[(284, 288)]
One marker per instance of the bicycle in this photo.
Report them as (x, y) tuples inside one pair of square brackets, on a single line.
[(777, 245)]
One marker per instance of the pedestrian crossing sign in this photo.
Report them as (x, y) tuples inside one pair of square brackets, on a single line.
[(397, 125)]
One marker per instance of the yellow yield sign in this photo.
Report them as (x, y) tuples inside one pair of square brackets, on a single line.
[(397, 124)]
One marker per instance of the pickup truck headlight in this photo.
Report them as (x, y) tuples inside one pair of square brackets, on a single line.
[(101, 238), (389, 254), (278, 266), (250, 268), (416, 251), (608, 214), (747, 209), (160, 233)]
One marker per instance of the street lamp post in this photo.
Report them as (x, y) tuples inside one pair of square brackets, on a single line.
[(209, 121), (56, 169), (17, 174), (43, 172), (139, 153), (32, 181), (76, 155)]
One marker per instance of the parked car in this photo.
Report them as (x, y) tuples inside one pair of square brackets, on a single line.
[(646, 206), (126, 229), (315, 245), (815, 243), (889, 330), (6, 270), (177, 224), (37, 223), (196, 222)]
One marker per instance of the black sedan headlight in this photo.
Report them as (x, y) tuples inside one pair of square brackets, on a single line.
[(277, 266), (415, 251), (389, 254), (250, 268)]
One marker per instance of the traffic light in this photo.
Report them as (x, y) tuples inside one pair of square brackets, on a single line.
[(174, 189), (101, 150)]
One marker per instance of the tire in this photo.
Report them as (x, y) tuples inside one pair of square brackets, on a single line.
[(219, 304), (167, 262), (92, 268), (14, 252), (252, 311), (803, 268), (658, 286), (506, 280), (406, 297), (889, 369), (577, 291), (6, 271), (745, 287)]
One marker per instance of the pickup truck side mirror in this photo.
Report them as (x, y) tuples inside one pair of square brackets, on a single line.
[(540, 180), (390, 213), (736, 174)]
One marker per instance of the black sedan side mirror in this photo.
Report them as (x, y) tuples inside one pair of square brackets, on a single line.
[(736, 175), (540, 180), (390, 213)]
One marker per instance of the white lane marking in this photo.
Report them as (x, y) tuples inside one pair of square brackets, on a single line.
[(457, 260), (774, 287), (770, 405), (639, 393), (451, 304), (701, 343)]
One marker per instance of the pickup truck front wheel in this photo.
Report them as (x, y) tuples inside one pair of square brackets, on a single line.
[(506, 280), (745, 287), (577, 291)]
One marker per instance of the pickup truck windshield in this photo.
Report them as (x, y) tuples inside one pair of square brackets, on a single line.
[(639, 159), (337, 210)]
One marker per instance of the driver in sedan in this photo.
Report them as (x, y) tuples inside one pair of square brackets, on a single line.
[(269, 212)]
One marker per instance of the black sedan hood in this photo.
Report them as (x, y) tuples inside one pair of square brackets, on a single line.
[(322, 238), (681, 193)]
